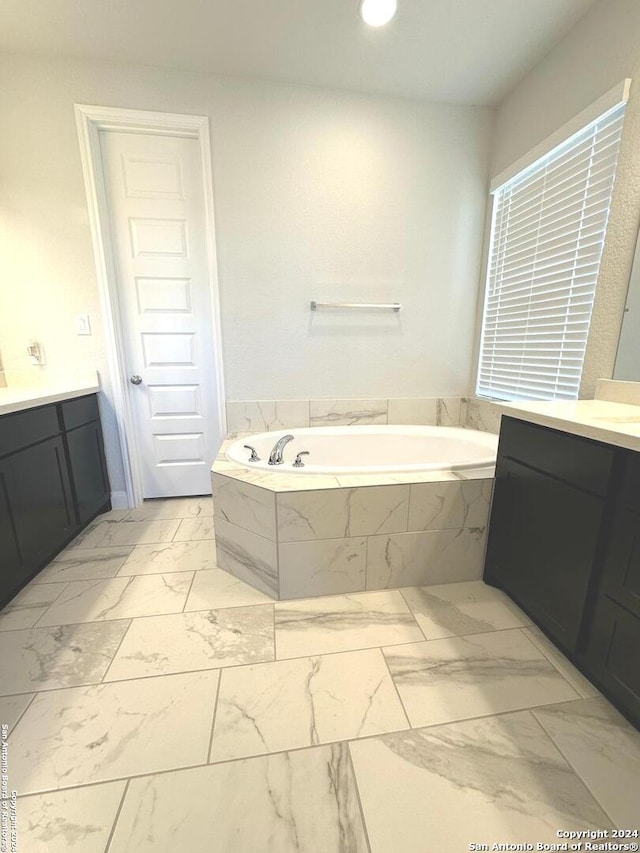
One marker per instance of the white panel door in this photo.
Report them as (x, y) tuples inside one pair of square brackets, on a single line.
[(157, 220)]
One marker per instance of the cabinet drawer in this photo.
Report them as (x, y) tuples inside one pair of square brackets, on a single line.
[(24, 428), (80, 411), (581, 462)]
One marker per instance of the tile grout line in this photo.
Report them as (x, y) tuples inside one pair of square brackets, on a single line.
[(277, 546), (257, 663), (550, 662), (114, 656), (134, 545), (186, 598), (28, 705), (275, 635), (180, 672), (214, 669), (430, 530), (85, 533), (411, 611), (358, 796), (175, 532), (283, 603), (117, 816), (366, 562), (348, 651), (42, 615), (555, 665), (571, 765), (36, 582), (215, 714), (237, 607), (130, 579), (395, 687), (271, 604), (378, 735)]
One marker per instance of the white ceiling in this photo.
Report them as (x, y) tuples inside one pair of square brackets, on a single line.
[(461, 51)]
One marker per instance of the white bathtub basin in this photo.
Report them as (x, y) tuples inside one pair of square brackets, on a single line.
[(371, 449)]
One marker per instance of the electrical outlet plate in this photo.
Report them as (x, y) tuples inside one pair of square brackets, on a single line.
[(83, 325), (36, 353)]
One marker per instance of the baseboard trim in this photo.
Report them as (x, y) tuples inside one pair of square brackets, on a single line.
[(119, 500)]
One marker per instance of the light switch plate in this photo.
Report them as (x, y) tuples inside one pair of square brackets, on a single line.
[(83, 326)]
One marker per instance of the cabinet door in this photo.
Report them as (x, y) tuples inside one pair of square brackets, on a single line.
[(621, 575), (88, 470), (44, 516), (542, 543), (612, 658), (12, 571)]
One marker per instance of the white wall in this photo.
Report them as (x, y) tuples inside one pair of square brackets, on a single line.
[(319, 195), (602, 49)]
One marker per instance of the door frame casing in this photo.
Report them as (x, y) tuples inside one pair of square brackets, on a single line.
[(90, 120)]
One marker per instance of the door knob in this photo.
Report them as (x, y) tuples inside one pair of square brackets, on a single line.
[(135, 379)]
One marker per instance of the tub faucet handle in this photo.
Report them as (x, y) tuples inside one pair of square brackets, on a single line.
[(254, 456), (298, 461)]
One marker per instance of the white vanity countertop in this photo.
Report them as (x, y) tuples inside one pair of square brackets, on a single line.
[(28, 391), (613, 423)]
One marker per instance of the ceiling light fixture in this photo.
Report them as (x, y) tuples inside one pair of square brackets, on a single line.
[(377, 13)]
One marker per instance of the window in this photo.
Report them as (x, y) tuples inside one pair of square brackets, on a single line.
[(547, 236)]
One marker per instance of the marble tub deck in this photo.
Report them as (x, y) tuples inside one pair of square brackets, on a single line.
[(297, 535), (156, 703)]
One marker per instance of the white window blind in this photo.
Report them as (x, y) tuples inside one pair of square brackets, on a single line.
[(548, 230)]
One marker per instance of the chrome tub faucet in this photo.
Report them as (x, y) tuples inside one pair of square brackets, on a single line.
[(275, 457)]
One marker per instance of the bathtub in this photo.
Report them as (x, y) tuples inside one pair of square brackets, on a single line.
[(371, 449), (373, 508)]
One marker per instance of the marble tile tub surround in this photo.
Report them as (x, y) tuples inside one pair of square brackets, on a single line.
[(295, 544), (481, 414), (472, 412), (250, 416), (247, 416), (270, 415)]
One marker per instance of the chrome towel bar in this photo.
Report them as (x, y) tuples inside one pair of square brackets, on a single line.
[(393, 306)]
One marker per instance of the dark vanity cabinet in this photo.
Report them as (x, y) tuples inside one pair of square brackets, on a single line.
[(53, 480), (613, 647), (87, 465), (10, 555), (564, 543), (546, 521), (40, 500)]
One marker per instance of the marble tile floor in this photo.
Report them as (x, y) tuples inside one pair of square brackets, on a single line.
[(155, 703)]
